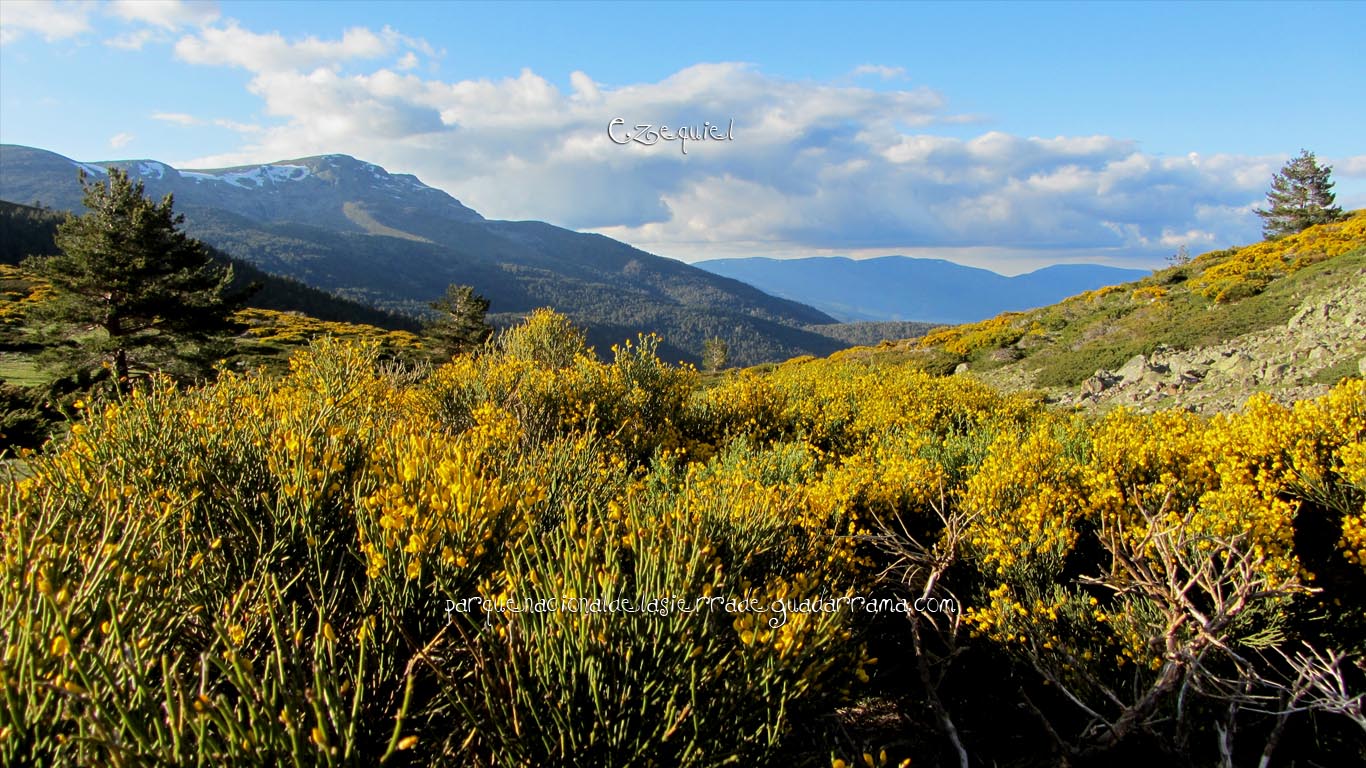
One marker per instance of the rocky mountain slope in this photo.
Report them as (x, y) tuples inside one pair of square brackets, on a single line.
[(1324, 340)]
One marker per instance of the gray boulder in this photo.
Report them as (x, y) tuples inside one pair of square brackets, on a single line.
[(1098, 383)]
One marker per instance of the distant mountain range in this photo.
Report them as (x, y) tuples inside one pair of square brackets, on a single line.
[(355, 230), (904, 288)]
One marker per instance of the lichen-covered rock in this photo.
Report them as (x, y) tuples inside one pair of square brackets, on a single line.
[(1098, 383)]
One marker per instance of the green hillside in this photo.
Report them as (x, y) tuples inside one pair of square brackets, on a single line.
[(28, 231), (282, 316), (1228, 304)]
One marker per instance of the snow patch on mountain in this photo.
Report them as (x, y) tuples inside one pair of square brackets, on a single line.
[(253, 178)]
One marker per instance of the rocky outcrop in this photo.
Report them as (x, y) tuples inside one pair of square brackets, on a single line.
[(1327, 332)]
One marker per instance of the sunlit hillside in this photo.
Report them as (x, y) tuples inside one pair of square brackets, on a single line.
[(532, 557), (682, 385), (1226, 320)]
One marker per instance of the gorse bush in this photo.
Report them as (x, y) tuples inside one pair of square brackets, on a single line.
[(1186, 541), (286, 548), (1005, 328), (290, 329), (1249, 270), (547, 338), (299, 569)]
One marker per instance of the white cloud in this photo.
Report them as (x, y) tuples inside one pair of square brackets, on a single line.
[(1191, 237), (408, 61), (584, 87), (234, 125), (170, 15), (879, 70), (48, 19), (132, 41), (179, 118), (144, 20), (813, 167), (120, 140), (232, 45), (1350, 167)]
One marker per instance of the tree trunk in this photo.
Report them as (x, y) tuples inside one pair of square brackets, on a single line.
[(121, 371), (114, 328)]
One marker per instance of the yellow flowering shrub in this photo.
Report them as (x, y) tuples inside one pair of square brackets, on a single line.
[(19, 292), (266, 569), (889, 481), (1148, 293), (546, 338), (1248, 270), (1158, 538), (438, 499), (1002, 330), (744, 403), (1024, 500), (737, 532), (294, 329), (1353, 458), (839, 407)]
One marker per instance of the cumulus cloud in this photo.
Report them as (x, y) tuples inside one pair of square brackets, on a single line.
[(120, 140), (49, 19), (156, 20), (812, 168)]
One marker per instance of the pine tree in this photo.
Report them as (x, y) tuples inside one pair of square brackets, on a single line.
[(136, 290), (1301, 196), (461, 325), (715, 354)]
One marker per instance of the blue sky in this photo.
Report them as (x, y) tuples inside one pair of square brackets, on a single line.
[(1002, 135)]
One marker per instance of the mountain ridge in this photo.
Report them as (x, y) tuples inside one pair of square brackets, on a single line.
[(399, 243), (913, 288)]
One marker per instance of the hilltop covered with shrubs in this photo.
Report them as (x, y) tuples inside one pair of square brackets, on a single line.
[(1280, 316)]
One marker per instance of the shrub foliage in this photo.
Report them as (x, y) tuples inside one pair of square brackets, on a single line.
[(292, 569)]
